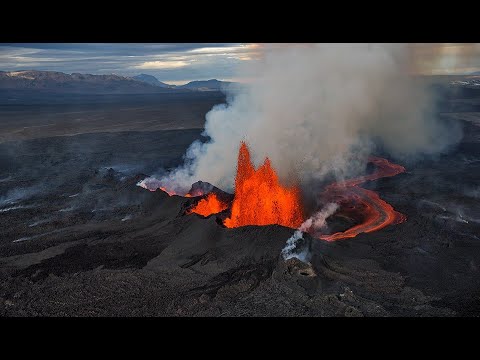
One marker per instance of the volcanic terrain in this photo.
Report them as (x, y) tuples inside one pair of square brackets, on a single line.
[(80, 238)]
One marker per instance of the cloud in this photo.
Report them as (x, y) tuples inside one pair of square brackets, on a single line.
[(446, 58), (168, 62), (187, 61), (163, 64), (216, 50)]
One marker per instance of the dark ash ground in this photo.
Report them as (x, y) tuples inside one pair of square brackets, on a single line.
[(78, 238)]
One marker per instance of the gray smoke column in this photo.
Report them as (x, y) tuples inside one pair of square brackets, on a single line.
[(318, 108)]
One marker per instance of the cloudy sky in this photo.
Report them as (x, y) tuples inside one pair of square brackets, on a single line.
[(180, 63)]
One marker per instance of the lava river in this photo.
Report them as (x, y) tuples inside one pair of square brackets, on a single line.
[(357, 202)]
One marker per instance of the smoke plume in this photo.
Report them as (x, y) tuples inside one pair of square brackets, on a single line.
[(318, 109), (316, 222)]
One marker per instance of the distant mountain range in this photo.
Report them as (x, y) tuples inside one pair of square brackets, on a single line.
[(152, 80), (58, 82), (206, 85), (199, 85)]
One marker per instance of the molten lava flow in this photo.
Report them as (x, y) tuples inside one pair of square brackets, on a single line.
[(259, 197), (194, 193), (208, 206), (169, 192), (355, 201)]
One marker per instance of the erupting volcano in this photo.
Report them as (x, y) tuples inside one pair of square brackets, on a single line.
[(362, 204), (260, 199)]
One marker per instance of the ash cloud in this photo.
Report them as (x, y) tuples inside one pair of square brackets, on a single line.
[(319, 109)]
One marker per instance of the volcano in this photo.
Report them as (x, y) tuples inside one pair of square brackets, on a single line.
[(260, 199)]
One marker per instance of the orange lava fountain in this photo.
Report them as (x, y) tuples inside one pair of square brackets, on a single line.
[(375, 212), (208, 206), (260, 199)]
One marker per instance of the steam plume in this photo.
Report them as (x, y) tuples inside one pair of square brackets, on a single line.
[(316, 109), (315, 222)]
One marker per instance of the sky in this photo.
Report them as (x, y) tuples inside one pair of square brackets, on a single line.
[(178, 63)]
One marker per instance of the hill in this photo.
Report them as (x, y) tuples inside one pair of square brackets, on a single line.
[(58, 82)]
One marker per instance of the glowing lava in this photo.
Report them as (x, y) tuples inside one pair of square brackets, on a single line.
[(208, 206), (152, 185), (355, 201), (169, 192), (260, 199)]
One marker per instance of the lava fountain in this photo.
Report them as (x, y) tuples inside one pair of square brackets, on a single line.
[(208, 206), (260, 199), (357, 202)]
